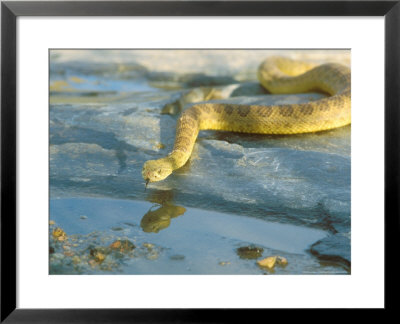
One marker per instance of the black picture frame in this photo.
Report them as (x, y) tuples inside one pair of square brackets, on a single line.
[(11, 10)]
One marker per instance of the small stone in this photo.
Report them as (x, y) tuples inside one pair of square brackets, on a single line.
[(267, 262), (152, 256), (99, 257), (149, 246), (249, 252), (159, 146), (83, 217), (224, 263), (98, 253), (76, 260), (58, 256), (130, 224), (52, 222), (59, 234), (115, 245), (281, 261), (92, 263), (122, 245), (177, 257)]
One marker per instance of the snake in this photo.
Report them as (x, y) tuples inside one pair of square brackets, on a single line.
[(279, 75)]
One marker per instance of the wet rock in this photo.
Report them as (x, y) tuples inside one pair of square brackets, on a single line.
[(98, 254), (59, 234), (271, 261), (268, 263), (249, 252), (334, 248), (177, 257), (282, 261), (122, 246), (99, 257), (151, 252)]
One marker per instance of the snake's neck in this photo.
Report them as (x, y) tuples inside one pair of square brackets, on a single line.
[(187, 129), (175, 159)]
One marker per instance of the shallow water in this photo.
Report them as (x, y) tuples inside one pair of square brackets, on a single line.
[(196, 242), (281, 193)]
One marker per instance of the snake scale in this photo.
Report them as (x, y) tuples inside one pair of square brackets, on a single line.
[(278, 75)]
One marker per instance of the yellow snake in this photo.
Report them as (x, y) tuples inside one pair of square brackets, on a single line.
[(277, 75)]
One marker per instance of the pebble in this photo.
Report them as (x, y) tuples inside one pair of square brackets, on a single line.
[(122, 245), (270, 261), (250, 252), (59, 234), (149, 246), (267, 262), (76, 260), (92, 263), (281, 261), (99, 257), (224, 263), (159, 146)]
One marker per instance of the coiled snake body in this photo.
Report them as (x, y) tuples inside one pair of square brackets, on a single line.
[(277, 75)]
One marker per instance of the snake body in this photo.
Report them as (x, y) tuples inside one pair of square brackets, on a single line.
[(277, 75)]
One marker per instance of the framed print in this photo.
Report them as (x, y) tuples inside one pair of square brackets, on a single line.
[(180, 160)]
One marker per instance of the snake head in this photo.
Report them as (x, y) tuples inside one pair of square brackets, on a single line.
[(156, 170)]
